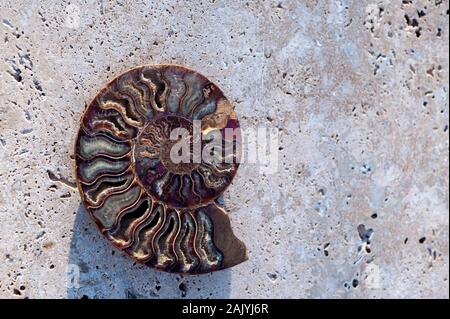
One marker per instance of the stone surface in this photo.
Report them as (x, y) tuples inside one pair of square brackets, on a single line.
[(357, 90)]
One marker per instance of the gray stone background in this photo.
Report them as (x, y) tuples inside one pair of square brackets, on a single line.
[(358, 91)]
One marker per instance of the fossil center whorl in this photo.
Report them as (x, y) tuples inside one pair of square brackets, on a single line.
[(161, 166), (174, 166), (168, 160), (155, 140)]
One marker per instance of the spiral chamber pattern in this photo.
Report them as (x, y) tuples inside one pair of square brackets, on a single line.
[(158, 212)]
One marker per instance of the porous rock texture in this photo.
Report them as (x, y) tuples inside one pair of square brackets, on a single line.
[(357, 90)]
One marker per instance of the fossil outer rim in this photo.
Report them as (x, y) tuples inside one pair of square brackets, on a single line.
[(227, 249)]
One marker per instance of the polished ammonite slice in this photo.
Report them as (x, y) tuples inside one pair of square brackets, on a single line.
[(160, 211)]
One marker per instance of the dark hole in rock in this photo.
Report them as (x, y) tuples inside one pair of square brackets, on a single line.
[(272, 276), (365, 234), (183, 289)]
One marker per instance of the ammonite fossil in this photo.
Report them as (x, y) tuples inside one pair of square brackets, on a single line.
[(158, 209)]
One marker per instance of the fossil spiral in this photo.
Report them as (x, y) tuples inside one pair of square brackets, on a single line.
[(160, 211)]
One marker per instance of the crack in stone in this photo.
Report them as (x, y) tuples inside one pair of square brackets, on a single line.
[(62, 180)]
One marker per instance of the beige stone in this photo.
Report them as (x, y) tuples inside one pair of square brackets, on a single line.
[(358, 91)]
